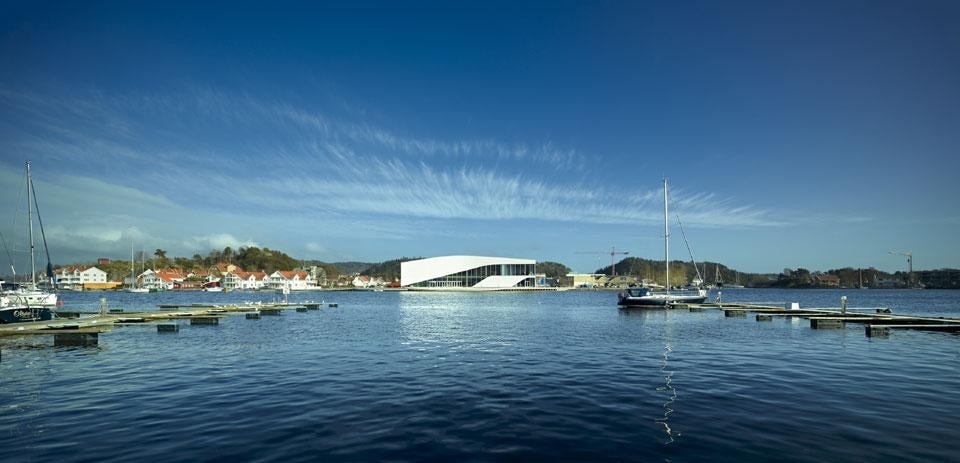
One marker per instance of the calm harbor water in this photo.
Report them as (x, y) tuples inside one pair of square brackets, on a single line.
[(488, 377)]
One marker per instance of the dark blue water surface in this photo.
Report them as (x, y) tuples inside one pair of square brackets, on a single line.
[(566, 376)]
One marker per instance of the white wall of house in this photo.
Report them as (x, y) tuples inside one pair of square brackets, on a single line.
[(298, 282), (152, 281), (93, 275), (362, 281), (77, 277), (232, 280), (252, 282)]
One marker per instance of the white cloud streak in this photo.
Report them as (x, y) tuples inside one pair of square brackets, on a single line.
[(233, 154)]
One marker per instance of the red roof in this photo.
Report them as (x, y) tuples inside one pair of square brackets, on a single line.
[(168, 275), (289, 275), (246, 275)]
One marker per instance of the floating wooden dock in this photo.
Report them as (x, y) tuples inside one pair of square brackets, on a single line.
[(82, 328), (876, 321)]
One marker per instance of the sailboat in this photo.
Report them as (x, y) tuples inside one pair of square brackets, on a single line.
[(644, 297), (27, 302), (133, 277), (736, 284)]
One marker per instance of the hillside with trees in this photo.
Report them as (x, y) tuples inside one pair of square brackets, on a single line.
[(388, 270), (552, 269), (248, 258), (681, 273)]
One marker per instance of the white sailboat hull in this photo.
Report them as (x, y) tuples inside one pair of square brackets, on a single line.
[(643, 297), (28, 298)]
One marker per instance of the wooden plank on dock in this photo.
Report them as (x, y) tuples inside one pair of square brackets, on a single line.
[(819, 323), (950, 328), (901, 320), (63, 326)]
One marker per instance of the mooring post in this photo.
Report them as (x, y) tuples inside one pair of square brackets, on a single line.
[(843, 304), (103, 306)]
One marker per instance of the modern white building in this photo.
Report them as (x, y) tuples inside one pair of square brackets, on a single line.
[(468, 272)]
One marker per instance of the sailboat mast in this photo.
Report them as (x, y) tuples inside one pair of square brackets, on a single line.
[(666, 234), (33, 264)]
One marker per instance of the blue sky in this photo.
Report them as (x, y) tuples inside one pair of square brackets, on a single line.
[(801, 134)]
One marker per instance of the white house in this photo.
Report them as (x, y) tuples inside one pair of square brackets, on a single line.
[(363, 281), (244, 280), (161, 279), (296, 281), (76, 277)]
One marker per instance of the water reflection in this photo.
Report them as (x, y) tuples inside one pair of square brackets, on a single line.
[(670, 391), (454, 321), (658, 325)]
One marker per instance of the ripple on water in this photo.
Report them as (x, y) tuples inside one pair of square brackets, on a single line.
[(562, 376)]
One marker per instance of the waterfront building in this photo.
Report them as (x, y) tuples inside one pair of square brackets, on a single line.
[(478, 272), (364, 281), (241, 280), (584, 280), (77, 277), (826, 280), (165, 279), (296, 281)]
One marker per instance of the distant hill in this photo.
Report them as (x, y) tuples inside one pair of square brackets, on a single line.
[(350, 268), (389, 270), (552, 269), (341, 268), (682, 273)]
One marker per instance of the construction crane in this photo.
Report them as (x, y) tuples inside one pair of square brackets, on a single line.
[(613, 255), (909, 256)]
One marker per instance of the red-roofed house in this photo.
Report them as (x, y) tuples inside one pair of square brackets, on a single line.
[(161, 279)]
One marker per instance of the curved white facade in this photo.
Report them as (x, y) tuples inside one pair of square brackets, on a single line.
[(466, 272)]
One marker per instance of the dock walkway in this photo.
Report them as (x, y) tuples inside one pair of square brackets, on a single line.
[(877, 321), (95, 322)]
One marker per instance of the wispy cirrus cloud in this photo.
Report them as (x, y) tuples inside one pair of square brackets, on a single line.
[(201, 159)]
